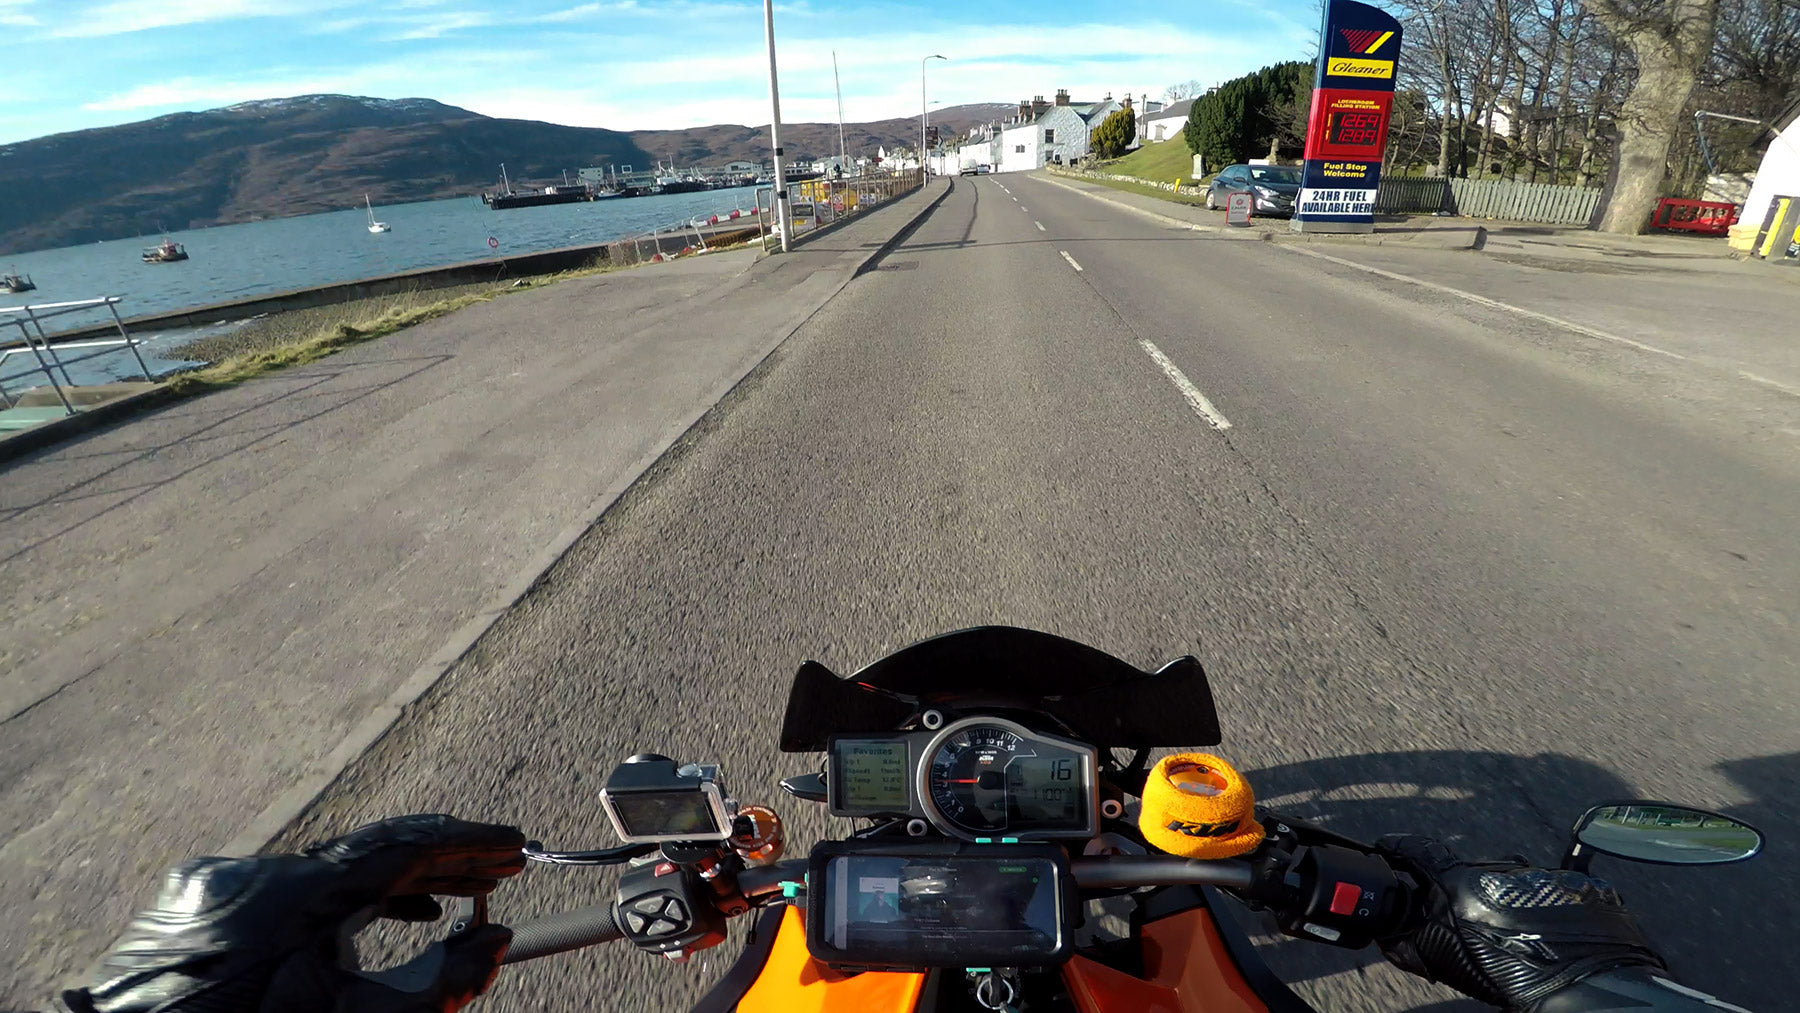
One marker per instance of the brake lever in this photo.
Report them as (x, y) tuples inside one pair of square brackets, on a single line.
[(534, 852)]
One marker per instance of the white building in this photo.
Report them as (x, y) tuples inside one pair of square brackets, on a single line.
[(1054, 135), (742, 168), (1164, 123), (1778, 176)]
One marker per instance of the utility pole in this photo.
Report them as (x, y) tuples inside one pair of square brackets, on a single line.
[(840, 97), (924, 109), (782, 219)]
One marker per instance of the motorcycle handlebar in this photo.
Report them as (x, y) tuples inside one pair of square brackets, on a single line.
[(591, 926), (559, 933), (1126, 871)]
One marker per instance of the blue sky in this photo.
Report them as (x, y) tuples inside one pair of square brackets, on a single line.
[(625, 64)]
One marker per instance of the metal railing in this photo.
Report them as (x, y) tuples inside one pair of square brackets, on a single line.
[(816, 203), (47, 357)]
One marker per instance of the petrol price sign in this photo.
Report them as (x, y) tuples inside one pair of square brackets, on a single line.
[(1346, 134)]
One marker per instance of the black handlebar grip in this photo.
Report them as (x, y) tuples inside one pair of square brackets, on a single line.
[(571, 930)]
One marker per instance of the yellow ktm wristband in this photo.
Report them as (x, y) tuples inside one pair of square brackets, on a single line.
[(1196, 806)]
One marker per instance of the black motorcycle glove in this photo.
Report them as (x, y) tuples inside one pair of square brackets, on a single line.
[(1506, 933), (267, 933)]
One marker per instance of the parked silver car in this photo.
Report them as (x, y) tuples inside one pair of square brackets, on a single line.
[(1272, 188)]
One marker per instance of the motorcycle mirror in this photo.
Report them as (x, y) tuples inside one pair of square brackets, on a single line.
[(1660, 833)]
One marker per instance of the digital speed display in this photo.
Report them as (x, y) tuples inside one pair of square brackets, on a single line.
[(870, 776), (1353, 129), (1043, 788)]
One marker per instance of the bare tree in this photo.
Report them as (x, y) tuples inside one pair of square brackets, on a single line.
[(1182, 90), (1670, 41)]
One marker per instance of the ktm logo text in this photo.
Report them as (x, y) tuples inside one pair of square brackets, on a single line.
[(1204, 829), (1364, 40)]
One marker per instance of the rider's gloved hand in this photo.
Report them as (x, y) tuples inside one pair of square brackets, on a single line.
[(266, 933), (1506, 933)]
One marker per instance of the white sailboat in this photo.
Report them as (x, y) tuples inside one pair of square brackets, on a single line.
[(374, 226)]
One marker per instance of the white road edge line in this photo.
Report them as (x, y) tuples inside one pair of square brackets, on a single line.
[(1196, 400), (1483, 300), (1071, 260), (1040, 226), (1765, 381)]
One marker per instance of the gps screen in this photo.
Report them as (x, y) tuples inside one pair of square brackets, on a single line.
[(871, 775), (941, 911)]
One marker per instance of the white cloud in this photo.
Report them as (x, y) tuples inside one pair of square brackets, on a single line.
[(120, 17), (434, 26), (12, 14)]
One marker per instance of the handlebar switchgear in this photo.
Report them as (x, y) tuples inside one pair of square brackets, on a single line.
[(667, 908), (1333, 894)]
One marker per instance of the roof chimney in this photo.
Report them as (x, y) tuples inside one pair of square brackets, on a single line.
[(1062, 96), (1127, 102), (1108, 97), (1038, 105), (1024, 110)]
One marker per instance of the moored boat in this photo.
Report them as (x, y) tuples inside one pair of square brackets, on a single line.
[(166, 252)]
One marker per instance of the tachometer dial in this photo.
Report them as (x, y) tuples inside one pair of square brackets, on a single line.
[(968, 776)]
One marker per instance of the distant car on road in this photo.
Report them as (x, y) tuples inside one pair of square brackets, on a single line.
[(969, 169), (983, 169), (1272, 188)]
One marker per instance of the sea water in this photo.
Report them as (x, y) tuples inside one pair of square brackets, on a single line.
[(232, 262)]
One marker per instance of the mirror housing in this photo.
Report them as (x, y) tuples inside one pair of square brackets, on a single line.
[(1660, 833)]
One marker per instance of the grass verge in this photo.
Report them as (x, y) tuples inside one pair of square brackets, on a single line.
[(298, 337), (321, 343), (1161, 161)]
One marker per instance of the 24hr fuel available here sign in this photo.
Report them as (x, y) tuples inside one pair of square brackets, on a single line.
[(1353, 92)]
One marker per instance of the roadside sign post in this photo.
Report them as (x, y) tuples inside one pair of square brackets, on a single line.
[(1346, 134), (1238, 208)]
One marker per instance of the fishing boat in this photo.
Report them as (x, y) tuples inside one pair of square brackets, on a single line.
[(16, 282), (509, 198), (166, 252), (374, 226)]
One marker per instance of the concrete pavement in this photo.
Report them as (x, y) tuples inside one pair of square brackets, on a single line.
[(201, 605), (1451, 570)]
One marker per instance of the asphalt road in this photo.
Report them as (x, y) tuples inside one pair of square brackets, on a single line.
[(1450, 571)]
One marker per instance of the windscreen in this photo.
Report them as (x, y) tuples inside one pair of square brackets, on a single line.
[(1098, 698), (1275, 174)]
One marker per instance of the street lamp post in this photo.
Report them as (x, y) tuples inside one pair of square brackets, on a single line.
[(783, 220), (924, 109)]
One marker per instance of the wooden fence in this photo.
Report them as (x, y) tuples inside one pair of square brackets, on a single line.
[(1488, 198)]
